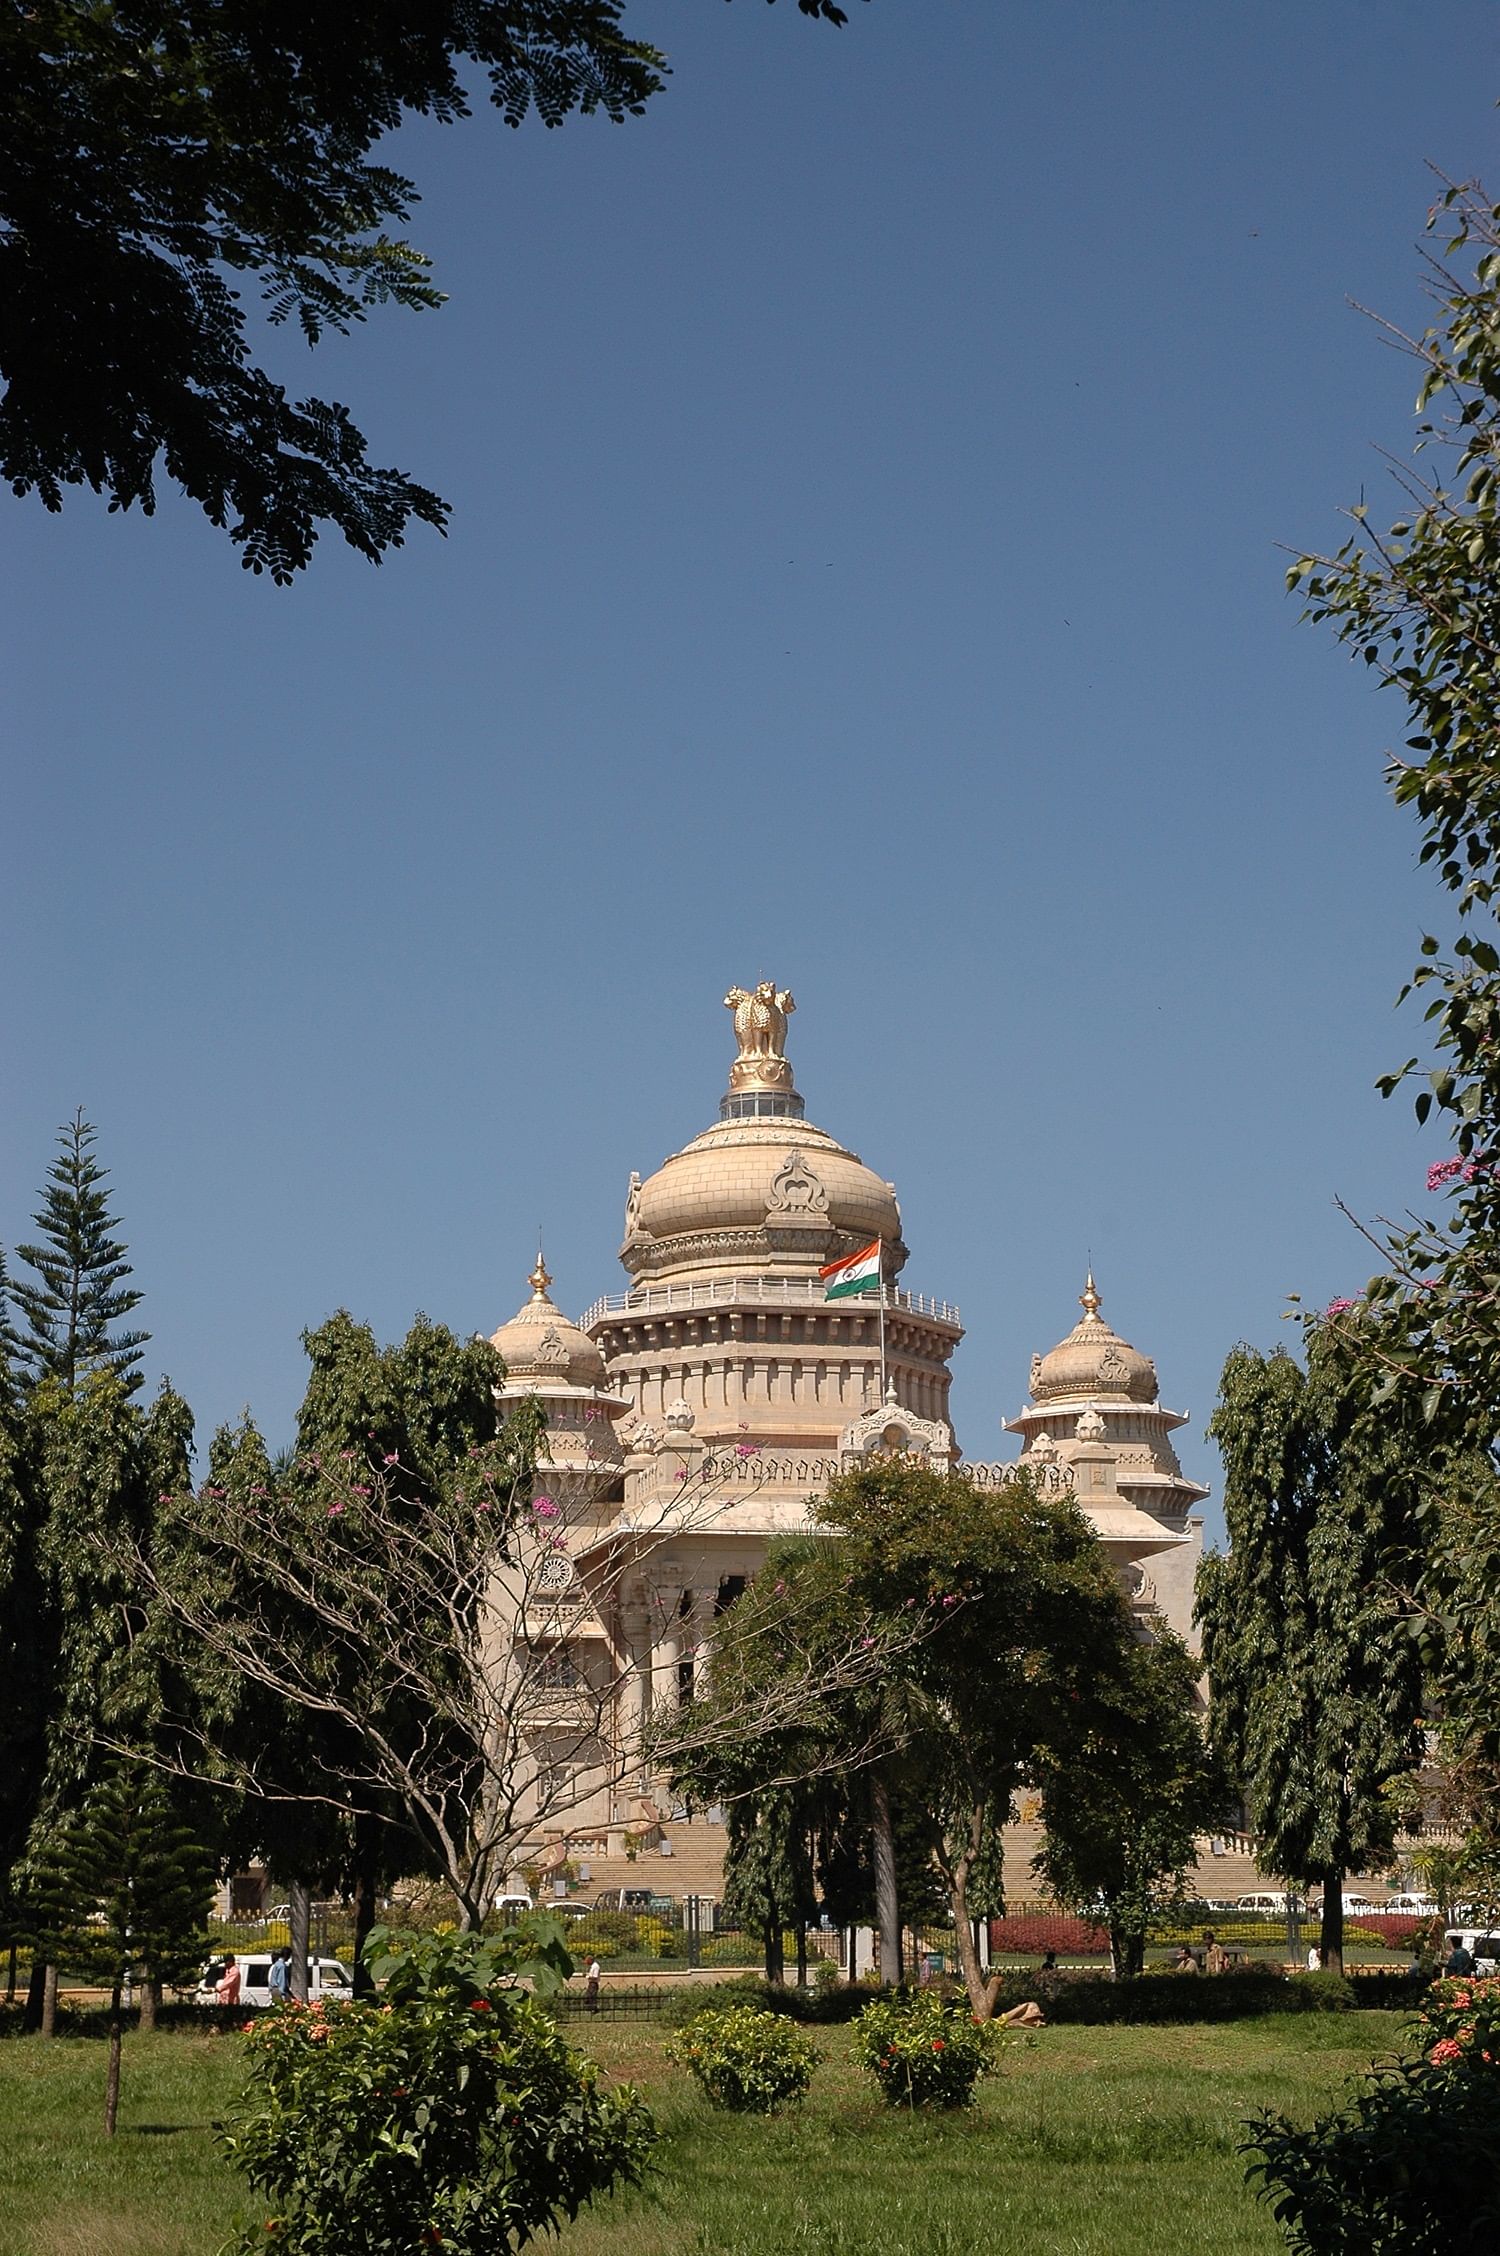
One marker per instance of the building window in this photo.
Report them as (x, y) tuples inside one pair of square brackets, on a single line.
[(557, 1671)]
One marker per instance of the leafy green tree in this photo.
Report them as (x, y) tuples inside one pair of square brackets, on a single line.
[(935, 1647), (1420, 604), (27, 1657), (1125, 1810), (799, 1730), (121, 1894), (77, 1292), (1316, 1686), (155, 153), (1019, 1630)]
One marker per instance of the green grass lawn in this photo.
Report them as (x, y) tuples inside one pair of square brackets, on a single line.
[(1090, 2142)]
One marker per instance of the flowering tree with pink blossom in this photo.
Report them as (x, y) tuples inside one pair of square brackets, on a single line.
[(403, 1682)]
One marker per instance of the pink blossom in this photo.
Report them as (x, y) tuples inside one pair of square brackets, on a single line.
[(544, 1507), (1444, 2052), (334, 1511), (1443, 1171), (865, 1643), (746, 1449), (780, 1590), (1479, 1165), (391, 1457), (1338, 1307)]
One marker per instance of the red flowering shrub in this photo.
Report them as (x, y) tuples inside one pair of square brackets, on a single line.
[(1459, 2022), (449, 2115), (1048, 1931), (923, 2052)]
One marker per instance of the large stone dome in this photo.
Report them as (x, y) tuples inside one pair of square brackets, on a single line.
[(750, 1191), (763, 1189), (1093, 1360)]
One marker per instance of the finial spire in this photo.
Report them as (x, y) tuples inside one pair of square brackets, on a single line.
[(539, 1280), (1088, 1299)]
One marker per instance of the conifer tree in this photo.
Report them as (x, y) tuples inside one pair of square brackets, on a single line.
[(77, 1294), (122, 1892)]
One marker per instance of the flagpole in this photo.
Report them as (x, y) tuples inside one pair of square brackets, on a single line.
[(881, 1243)]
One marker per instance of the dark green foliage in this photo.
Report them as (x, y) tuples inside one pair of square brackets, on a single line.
[(1125, 1808), (156, 153), (1410, 2167), (1420, 604), (27, 1653), (124, 1885), (1316, 1683), (77, 1293), (745, 2059), (1007, 1631), (450, 2116)]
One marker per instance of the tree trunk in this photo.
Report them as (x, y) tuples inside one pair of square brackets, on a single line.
[(112, 2078), (31, 2018), (10, 1979), (983, 1990), (887, 1907), (801, 1954), (150, 1999), (299, 1905), (366, 1884), (775, 1956), (49, 2002), (1331, 1935)]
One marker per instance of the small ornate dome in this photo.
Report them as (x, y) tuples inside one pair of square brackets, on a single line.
[(542, 1350), (1093, 1360)]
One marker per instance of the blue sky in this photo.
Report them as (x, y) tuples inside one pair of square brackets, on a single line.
[(868, 472)]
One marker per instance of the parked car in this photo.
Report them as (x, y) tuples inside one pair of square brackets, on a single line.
[(1412, 1907), (1353, 1905), (514, 1903), (635, 1899), (1267, 1900), (326, 1978)]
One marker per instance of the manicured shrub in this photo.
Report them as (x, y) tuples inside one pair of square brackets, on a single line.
[(923, 2052), (747, 2060), (448, 2115)]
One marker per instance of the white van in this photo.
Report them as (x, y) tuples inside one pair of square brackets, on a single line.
[(1267, 1900), (326, 1978)]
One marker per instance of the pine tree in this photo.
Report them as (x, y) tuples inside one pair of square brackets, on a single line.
[(122, 1893), (79, 1292)]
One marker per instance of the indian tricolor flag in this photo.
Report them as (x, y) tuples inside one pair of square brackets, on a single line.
[(856, 1273)]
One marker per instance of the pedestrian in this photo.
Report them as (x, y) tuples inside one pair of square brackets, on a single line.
[(1459, 1961), (1215, 1956), (227, 1989), (279, 1980), (1314, 1959), (591, 1985)]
